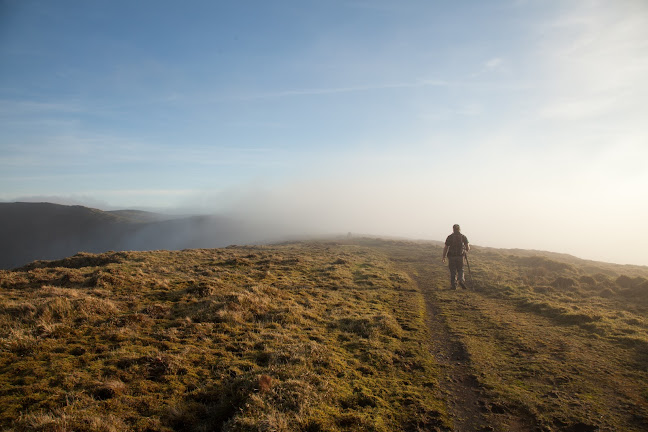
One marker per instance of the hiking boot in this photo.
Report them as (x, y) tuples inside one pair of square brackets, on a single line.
[(463, 285)]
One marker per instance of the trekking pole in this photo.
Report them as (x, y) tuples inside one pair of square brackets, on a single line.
[(472, 282)]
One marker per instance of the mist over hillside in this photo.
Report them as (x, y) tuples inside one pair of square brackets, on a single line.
[(45, 231), (37, 231)]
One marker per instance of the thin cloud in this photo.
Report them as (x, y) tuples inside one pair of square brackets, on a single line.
[(352, 89), (577, 109), (598, 50), (374, 5), (468, 110), (494, 63), (15, 107)]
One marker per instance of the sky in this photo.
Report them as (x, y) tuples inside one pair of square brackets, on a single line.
[(525, 121)]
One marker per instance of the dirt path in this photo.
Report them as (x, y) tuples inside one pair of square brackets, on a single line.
[(468, 403), (460, 386)]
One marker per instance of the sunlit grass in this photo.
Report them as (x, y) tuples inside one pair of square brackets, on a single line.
[(294, 337), (558, 340), (319, 336)]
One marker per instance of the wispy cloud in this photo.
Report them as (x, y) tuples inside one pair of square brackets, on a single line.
[(143, 192), (595, 61), (376, 5), (494, 63), (156, 199), (577, 108), (445, 113), (22, 107), (350, 89)]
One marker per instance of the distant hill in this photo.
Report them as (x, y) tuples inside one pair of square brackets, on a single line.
[(37, 231), (139, 216)]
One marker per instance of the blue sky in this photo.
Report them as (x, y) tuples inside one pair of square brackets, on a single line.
[(525, 121)]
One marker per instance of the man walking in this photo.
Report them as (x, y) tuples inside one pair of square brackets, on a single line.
[(456, 246)]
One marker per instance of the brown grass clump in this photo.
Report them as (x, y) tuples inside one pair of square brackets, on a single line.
[(109, 389), (587, 280), (265, 383), (564, 282), (61, 421)]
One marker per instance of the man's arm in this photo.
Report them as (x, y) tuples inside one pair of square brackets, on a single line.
[(445, 252)]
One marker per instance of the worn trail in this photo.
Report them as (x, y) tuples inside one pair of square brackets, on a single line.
[(458, 382), (469, 404), (519, 352)]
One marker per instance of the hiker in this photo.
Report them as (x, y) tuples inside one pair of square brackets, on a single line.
[(456, 246)]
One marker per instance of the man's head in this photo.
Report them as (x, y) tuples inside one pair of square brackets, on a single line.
[(456, 228)]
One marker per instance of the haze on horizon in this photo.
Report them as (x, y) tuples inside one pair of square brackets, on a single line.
[(522, 120)]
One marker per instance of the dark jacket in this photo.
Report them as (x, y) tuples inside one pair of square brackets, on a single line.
[(457, 244)]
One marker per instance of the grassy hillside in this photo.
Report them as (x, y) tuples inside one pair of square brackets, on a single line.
[(545, 341), (323, 336)]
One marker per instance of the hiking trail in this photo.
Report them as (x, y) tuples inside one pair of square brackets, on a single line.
[(467, 402)]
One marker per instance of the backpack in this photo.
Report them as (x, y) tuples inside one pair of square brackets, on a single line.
[(456, 247)]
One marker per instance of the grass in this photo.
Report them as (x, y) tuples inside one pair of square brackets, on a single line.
[(305, 336), (560, 341), (321, 336)]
